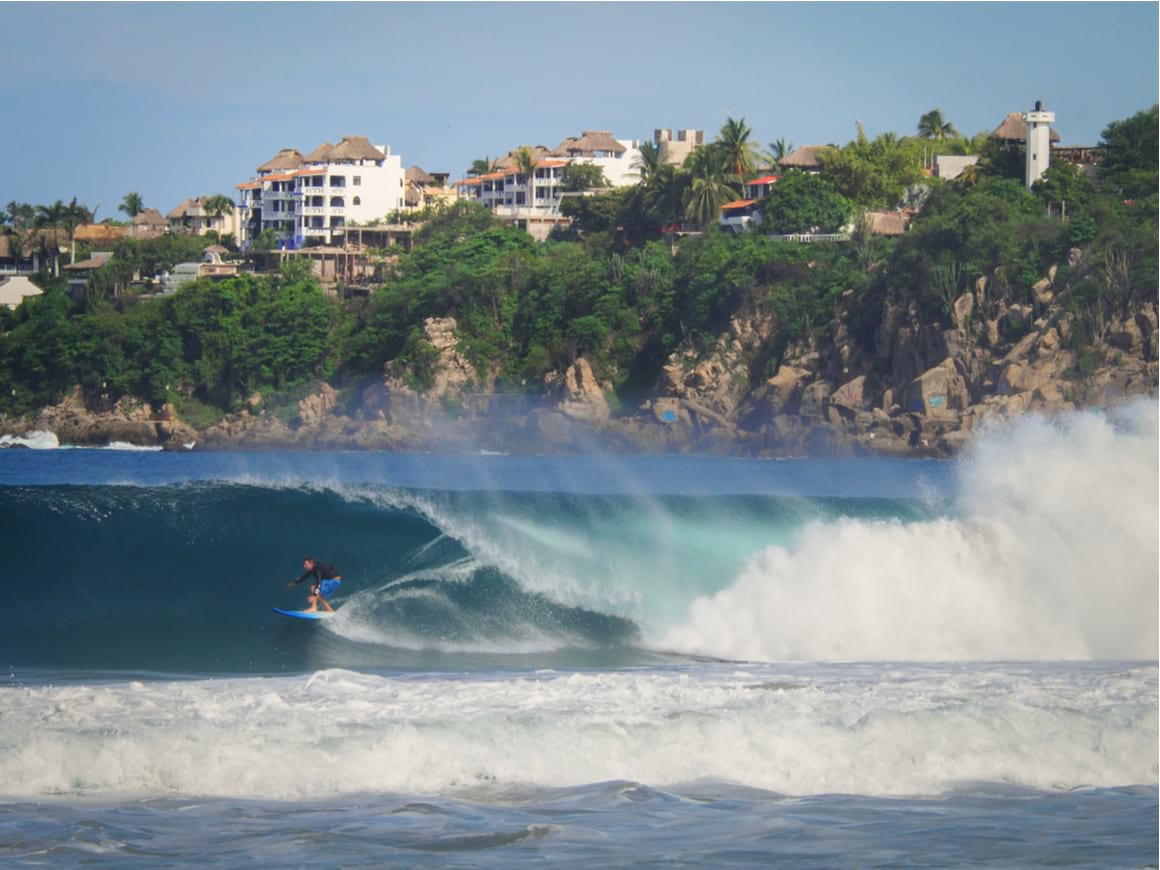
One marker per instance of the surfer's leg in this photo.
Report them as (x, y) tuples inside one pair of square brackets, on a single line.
[(326, 604)]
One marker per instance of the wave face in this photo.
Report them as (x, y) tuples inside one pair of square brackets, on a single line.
[(1045, 549), (182, 578)]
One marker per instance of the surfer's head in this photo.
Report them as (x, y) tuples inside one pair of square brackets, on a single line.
[(308, 562)]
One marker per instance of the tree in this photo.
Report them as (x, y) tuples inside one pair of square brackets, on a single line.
[(648, 161), (526, 163), (216, 206), (582, 176), (480, 166), (738, 155), (1130, 156), (933, 125), (131, 204), (709, 186), (664, 197), (20, 214), (779, 149), (801, 202), (72, 216)]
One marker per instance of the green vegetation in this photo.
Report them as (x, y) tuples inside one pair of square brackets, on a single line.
[(610, 289)]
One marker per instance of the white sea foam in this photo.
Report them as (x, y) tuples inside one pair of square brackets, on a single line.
[(38, 440), (862, 729), (125, 445), (1050, 552)]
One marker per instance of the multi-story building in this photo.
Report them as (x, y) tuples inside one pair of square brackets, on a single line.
[(194, 217), (312, 199), (508, 192)]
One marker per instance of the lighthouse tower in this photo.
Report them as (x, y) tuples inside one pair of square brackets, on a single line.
[(1038, 141)]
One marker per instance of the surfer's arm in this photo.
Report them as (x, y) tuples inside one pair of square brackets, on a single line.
[(309, 573)]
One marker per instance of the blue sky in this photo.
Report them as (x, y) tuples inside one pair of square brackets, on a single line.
[(177, 100)]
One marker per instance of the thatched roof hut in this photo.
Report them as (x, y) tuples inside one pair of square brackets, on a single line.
[(149, 217), (354, 148), (591, 143), (287, 158), (886, 223), (415, 175), (194, 207), (99, 234), (1014, 129), (319, 154), (805, 157)]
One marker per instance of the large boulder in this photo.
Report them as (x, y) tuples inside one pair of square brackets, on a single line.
[(937, 392)]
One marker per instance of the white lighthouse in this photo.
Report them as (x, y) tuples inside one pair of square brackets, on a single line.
[(1038, 141)]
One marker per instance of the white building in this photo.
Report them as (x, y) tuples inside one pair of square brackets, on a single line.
[(309, 200), (1038, 142), (507, 192)]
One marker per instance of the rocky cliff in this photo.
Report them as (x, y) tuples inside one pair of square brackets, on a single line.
[(910, 388)]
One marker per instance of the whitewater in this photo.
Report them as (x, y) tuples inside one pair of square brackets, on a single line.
[(586, 660)]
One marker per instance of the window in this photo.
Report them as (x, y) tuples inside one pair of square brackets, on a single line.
[(357, 180), (357, 200)]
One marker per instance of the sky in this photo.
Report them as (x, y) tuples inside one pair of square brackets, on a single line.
[(177, 100)]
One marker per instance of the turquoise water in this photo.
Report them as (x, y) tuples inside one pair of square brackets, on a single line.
[(585, 661)]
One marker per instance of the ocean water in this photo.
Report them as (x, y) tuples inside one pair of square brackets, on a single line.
[(585, 661)]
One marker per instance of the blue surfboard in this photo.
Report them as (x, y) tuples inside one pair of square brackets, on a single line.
[(303, 614)]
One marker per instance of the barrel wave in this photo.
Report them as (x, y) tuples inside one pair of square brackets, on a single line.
[(1045, 548), (182, 578)]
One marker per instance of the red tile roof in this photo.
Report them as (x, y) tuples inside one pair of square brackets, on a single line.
[(765, 179), (739, 203)]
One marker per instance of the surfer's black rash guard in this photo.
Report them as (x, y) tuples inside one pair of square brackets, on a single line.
[(321, 571)]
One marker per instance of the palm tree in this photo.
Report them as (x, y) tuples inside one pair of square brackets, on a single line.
[(216, 206), (72, 216), (738, 154), (526, 163), (933, 125), (779, 150), (131, 204), (665, 194), (480, 166), (648, 161), (18, 213), (709, 188)]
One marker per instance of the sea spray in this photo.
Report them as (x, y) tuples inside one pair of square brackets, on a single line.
[(1050, 552)]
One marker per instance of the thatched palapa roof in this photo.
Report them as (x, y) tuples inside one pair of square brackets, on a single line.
[(100, 234), (589, 144), (805, 157), (319, 154), (194, 207), (287, 158), (354, 148), (148, 217), (417, 176), (1014, 129)]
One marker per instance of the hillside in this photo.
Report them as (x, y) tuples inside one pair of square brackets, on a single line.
[(992, 304)]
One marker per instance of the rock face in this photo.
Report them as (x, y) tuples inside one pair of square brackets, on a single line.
[(583, 399), (911, 388)]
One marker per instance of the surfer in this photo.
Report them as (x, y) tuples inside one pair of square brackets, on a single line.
[(322, 573)]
